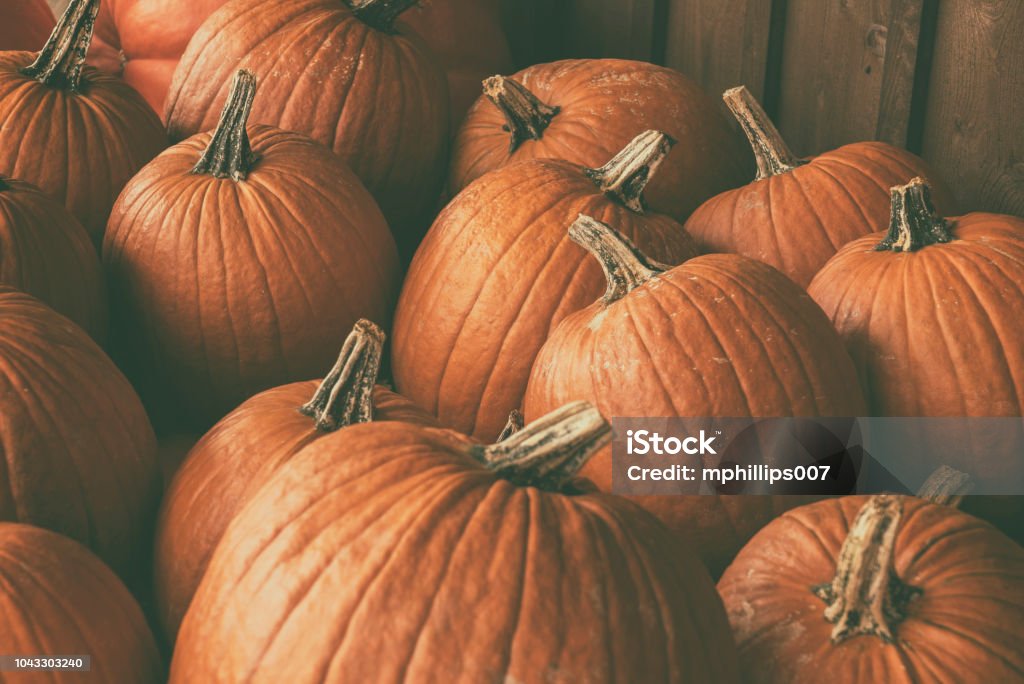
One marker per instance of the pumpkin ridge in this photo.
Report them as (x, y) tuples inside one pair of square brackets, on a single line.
[(822, 229), (345, 90), (631, 316), (821, 164)]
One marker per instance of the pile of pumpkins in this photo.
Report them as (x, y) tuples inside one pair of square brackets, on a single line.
[(439, 509)]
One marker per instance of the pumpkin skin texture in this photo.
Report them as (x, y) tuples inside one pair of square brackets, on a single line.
[(584, 111), (467, 329), (79, 451), (243, 451), (797, 213), (693, 341), (376, 97), (405, 559), (46, 253), (968, 596), (57, 598), (228, 287), (25, 24), (78, 134)]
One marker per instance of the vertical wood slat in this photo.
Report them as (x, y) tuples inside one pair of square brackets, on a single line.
[(720, 43), (974, 118), (613, 28), (835, 70)]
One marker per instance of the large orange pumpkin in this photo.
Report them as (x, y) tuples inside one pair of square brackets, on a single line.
[(389, 552), (882, 589), (71, 130), (798, 212), (24, 24), (344, 73), (45, 252), (244, 450), (79, 455), (584, 111), (57, 599), (235, 259), (720, 335), (497, 272)]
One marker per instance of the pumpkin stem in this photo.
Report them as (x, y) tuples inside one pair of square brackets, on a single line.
[(345, 396), (625, 267), (771, 152), (380, 14), (60, 62), (229, 154), (628, 173), (946, 487), (549, 452), (526, 117), (913, 221), (5, 186), (866, 596), (514, 425)]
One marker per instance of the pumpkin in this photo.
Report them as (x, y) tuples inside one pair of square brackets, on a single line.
[(877, 589), (74, 132), (25, 24), (584, 111), (391, 552), (59, 599), (245, 448), (496, 273), (235, 257), (79, 454), (45, 252), (720, 335), (344, 73), (797, 212)]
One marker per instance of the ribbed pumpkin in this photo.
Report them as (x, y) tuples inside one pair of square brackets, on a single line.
[(388, 552), (720, 335), (798, 212), (344, 73), (880, 589), (584, 111), (497, 272), (45, 252), (57, 599), (79, 455), (75, 132), (244, 450), (24, 24), (236, 258)]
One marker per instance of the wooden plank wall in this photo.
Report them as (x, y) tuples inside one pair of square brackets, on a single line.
[(943, 78)]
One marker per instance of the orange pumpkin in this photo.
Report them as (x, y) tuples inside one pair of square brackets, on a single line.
[(57, 599), (74, 132), (79, 455), (798, 212), (394, 552), (497, 272), (45, 252), (24, 24), (881, 589), (719, 335), (584, 111), (236, 257), (243, 451)]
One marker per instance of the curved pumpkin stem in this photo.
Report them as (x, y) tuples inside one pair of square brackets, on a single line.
[(345, 396), (625, 266), (549, 452), (913, 221), (946, 487), (514, 425), (771, 152), (60, 62), (380, 14), (229, 154), (625, 177), (526, 117), (866, 596)]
